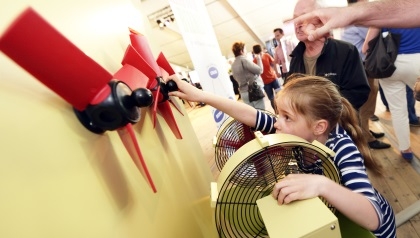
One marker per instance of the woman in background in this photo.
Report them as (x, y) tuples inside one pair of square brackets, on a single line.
[(244, 71)]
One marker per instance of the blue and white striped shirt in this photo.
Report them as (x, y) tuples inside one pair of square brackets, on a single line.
[(351, 167)]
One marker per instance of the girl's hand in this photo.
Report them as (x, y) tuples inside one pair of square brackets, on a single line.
[(298, 187), (186, 90)]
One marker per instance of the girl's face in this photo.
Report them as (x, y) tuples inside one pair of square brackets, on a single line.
[(289, 122)]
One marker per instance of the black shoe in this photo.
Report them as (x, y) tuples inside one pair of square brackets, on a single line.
[(377, 134), (374, 118), (376, 144)]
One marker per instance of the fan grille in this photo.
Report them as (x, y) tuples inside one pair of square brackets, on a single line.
[(230, 137), (253, 178)]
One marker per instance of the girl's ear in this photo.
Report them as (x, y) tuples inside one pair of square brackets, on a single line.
[(320, 127)]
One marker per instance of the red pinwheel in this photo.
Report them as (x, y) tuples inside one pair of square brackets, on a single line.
[(139, 55), (100, 100)]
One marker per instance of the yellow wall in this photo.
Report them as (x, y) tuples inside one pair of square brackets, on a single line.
[(59, 180)]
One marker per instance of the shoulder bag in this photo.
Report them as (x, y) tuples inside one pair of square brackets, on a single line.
[(381, 55), (255, 92)]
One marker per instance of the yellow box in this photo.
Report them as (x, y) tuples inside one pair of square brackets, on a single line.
[(308, 218)]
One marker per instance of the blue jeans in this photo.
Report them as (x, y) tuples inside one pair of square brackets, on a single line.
[(411, 102), (271, 88)]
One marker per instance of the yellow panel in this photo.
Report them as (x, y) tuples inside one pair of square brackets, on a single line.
[(59, 180), (306, 218)]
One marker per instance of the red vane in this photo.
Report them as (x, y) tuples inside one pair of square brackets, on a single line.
[(129, 140), (133, 77), (164, 64), (133, 58), (139, 55), (45, 53), (165, 110), (139, 42)]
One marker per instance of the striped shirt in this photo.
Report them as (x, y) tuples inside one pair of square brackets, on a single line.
[(350, 165)]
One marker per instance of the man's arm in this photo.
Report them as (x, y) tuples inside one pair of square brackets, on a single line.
[(372, 33), (385, 13)]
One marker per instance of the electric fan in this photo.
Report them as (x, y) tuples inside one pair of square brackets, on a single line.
[(252, 171), (229, 138)]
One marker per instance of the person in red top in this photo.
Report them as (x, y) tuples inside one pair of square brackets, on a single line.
[(271, 84)]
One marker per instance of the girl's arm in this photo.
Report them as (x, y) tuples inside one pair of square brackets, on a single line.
[(353, 205), (238, 110)]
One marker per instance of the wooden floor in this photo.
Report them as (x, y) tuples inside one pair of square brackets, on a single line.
[(400, 185)]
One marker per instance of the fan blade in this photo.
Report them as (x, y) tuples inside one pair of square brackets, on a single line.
[(175, 104), (164, 64), (140, 44), (166, 111), (132, 77), (129, 140), (133, 58), (248, 134), (54, 60), (156, 95)]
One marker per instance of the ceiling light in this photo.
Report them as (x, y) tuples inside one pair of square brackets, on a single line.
[(167, 22), (160, 23)]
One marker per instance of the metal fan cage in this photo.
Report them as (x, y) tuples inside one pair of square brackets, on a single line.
[(236, 211), (230, 137)]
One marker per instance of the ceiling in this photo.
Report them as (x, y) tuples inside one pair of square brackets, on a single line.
[(249, 21)]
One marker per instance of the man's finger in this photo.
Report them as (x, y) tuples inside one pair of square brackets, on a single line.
[(304, 18), (318, 33)]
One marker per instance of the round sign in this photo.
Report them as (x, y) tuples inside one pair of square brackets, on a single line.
[(218, 116), (213, 72)]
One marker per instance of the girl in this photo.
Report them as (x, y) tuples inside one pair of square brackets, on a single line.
[(312, 108)]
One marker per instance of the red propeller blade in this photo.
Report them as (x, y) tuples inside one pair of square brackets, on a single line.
[(166, 111), (156, 95), (133, 58), (45, 53), (164, 64), (145, 62), (140, 44), (133, 77), (130, 142)]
